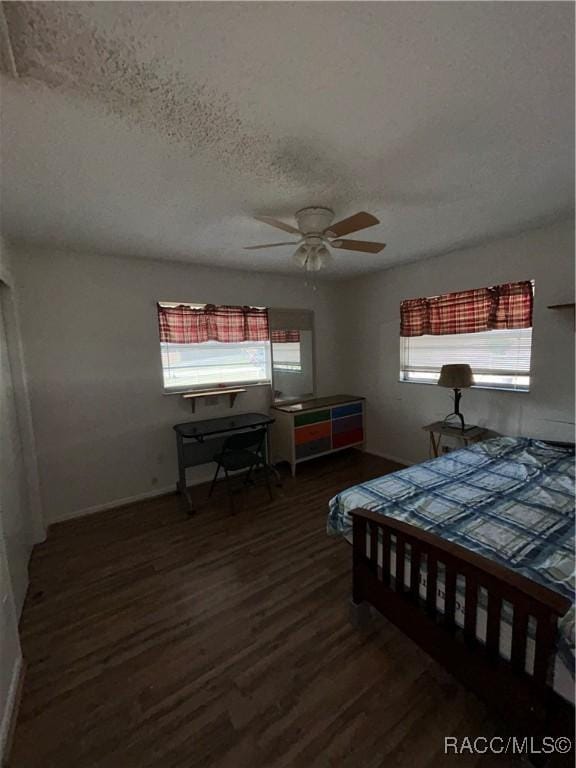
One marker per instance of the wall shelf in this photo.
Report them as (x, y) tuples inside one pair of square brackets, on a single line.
[(562, 306), (194, 396)]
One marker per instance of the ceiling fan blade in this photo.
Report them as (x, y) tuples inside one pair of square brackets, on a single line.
[(354, 223), (278, 224), (358, 245), (268, 245)]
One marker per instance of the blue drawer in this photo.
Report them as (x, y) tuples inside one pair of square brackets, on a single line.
[(346, 410), (313, 447), (347, 424)]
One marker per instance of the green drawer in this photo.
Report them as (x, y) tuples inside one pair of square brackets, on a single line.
[(311, 418)]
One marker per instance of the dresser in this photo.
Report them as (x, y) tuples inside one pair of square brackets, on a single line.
[(311, 428)]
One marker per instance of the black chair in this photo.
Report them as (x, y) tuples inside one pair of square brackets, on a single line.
[(242, 451)]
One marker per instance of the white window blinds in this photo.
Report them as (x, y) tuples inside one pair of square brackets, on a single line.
[(499, 358)]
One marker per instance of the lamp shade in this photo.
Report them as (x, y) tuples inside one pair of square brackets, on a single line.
[(456, 376)]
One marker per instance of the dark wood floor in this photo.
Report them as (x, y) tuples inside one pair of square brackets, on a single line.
[(223, 640)]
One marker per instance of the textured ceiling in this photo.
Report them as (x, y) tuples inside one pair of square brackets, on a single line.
[(159, 129)]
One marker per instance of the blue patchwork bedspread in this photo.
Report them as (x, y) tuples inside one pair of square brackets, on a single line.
[(509, 499)]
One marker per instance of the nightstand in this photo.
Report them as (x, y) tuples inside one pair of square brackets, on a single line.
[(439, 429)]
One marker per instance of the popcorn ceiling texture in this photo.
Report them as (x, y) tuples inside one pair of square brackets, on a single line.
[(56, 44), (159, 129)]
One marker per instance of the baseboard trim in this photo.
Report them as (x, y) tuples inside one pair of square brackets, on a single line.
[(113, 504), (172, 489), (8, 725), (389, 457)]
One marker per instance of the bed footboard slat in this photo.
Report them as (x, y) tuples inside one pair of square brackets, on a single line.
[(400, 562), (374, 548), (545, 641), (470, 609), (519, 637), (431, 577), (493, 623), (415, 560), (450, 595), (385, 555)]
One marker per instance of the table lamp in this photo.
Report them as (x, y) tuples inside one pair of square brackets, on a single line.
[(456, 377)]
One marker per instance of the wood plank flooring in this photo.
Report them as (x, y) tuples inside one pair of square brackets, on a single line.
[(158, 640)]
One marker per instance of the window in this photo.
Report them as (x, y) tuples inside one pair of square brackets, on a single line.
[(212, 363), (499, 359), (287, 356), (490, 329), (203, 346)]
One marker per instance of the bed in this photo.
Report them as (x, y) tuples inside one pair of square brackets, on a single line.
[(472, 556)]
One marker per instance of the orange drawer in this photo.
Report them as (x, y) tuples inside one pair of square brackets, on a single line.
[(312, 432)]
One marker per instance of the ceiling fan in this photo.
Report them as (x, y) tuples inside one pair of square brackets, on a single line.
[(317, 233)]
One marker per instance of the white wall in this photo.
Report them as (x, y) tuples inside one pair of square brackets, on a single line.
[(369, 330), (10, 652), (20, 515), (16, 522), (103, 427)]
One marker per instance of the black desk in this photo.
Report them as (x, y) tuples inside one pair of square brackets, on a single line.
[(194, 448)]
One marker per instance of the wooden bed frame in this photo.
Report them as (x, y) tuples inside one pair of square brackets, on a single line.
[(526, 702)]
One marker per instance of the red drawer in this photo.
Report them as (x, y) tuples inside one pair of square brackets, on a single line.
[(347, 438), (312, 432)]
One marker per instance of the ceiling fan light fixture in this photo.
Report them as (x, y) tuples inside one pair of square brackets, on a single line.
[(324, 255), (301, 255), (319, 235), (314, 262)]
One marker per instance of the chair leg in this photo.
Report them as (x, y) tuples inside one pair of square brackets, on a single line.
[(229, 489), (248, 475), (214, 479), (267, 478)]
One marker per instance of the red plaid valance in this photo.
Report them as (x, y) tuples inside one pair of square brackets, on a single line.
[(482, 309), (190, 325), (281, 337)]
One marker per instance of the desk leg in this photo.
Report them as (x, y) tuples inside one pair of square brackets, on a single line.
[(435, 444), (181, 486), (271, 466)]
